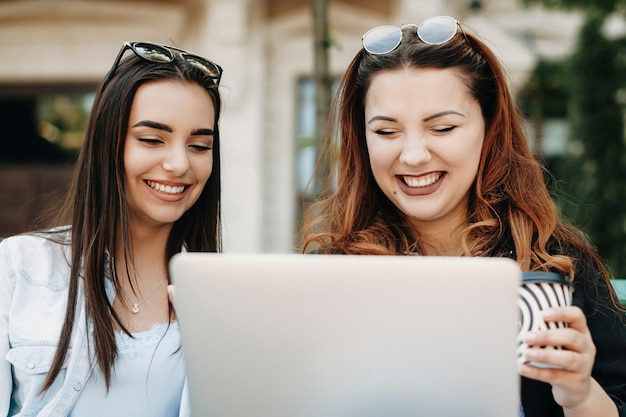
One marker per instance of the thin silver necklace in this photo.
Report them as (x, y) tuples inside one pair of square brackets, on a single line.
[(135, 308)]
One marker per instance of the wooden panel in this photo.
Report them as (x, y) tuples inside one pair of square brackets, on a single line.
[(28, 194)]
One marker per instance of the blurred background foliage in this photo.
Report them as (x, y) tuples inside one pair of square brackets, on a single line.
[(604, 6), (589, 91)]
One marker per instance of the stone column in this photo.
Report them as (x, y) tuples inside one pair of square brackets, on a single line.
[(225, 35), (411, 11)]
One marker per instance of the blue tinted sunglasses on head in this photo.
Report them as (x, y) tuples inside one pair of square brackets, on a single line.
[(434, 31)]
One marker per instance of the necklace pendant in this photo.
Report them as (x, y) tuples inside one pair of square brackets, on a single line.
[(135, 308)]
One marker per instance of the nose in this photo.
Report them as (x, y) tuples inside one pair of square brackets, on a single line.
[(176, 160), (415, 150)]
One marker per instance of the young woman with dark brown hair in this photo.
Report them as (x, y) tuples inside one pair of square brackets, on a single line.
[(433, 160), (86, 324)]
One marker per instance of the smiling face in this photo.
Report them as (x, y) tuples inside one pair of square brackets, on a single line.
[(168, 154), (424, 134)]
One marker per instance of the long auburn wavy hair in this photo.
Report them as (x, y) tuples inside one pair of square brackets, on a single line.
[(509, 203), (97, 209)]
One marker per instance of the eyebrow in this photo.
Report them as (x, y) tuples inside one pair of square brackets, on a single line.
[(426, 119), (166, 128), (441, 114), (383, 118), (154, 125), (203, 132)]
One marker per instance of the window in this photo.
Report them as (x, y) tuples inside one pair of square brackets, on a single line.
[(43, 127), (306, 146)]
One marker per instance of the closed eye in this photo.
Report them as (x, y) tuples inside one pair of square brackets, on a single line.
[(384, 132), (201, 148), (445, 129), (150, 141)]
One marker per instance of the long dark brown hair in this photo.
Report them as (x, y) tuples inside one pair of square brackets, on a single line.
[(510, 207), (97, 209)]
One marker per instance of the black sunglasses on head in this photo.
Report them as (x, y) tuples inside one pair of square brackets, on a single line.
[(155, 52)]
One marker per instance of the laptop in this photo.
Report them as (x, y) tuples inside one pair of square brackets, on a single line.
[(291, 335)]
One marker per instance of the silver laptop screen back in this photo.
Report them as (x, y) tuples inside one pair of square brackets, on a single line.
[(342, 336)]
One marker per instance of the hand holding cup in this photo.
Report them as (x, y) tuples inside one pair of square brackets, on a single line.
[(540, 290)]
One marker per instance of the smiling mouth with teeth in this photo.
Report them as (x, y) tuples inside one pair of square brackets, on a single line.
[(167, 189), (424, 181)]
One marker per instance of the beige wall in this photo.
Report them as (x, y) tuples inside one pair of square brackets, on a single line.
[(264, 47), (56, 40)]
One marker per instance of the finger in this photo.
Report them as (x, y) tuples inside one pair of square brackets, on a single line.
[(553, 375), (572, 316), (568, 338), (559, 359)]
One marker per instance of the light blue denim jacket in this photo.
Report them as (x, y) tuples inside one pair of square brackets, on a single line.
[(34, 278)]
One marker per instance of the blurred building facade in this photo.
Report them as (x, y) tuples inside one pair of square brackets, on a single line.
[(266, 50)]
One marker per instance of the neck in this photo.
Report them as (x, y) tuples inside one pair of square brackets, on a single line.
[(148, 249), (454, 249), (440, 239)]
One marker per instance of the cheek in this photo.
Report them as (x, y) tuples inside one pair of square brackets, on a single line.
[(382, 155), (470, 163), (468, 150), (137, 160), (130, 165), (376, 150), (204, 169), (476, 151)]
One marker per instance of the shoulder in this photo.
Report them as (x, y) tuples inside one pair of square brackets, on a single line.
[(572, 243), (588, 268), (40, 259), (593, 291), (36, 245)]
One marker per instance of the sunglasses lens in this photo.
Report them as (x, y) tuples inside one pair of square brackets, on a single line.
[(437, 30), (153, 52), (203, 65), (382, 39), (162, 53)]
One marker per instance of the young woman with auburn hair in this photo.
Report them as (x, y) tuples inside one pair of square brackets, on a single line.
[(433, 160)]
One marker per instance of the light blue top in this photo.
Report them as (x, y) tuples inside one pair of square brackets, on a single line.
[(34, 278), (147, 379)]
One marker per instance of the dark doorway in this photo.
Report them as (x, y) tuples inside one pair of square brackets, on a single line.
[(41, 130)]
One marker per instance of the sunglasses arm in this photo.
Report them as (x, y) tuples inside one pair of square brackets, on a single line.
[(114, 67)]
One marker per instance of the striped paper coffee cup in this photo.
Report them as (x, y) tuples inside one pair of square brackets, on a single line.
[(540, 290)]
